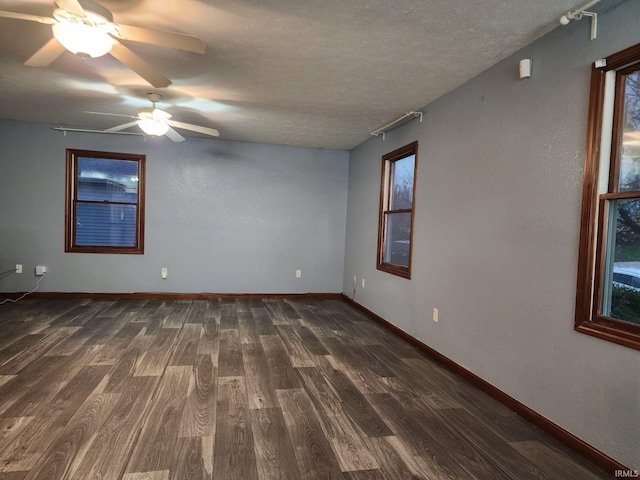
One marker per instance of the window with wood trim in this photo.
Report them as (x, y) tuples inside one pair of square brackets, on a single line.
[(397, 200), (104, 202), (608, 294)]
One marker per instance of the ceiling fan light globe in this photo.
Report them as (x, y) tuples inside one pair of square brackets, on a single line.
[(160, 115), (81, 38), (153, 127)]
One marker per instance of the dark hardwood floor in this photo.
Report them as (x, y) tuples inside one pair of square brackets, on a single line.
[(243, 389)]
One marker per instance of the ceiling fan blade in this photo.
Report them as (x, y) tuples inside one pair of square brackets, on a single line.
[(120, 127), (195, 128), (46, 55), (138, 65), (178, 41), (31, 18), (173, 135), (72, 6), (111, 114)]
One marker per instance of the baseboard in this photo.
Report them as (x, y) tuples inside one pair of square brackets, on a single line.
[(579, 446), (172, 296)]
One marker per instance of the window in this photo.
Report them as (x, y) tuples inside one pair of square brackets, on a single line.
[(608, 300), (104, 202), (396, 210)]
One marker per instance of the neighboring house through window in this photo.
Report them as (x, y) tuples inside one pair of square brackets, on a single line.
[(608, 294), (397, 199), (104, 202)]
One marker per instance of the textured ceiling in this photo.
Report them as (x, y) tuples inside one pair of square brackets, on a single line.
[(313, 73)]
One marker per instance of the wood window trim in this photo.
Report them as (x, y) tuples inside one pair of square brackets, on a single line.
[(385, 193), (593, 227), (71, 192)]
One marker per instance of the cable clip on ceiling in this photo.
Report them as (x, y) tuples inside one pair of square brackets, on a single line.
[(582, 12), (382, 130)]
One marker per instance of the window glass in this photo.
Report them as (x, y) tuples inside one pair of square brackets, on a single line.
[(630, 165), (621, 299), (398, 239), (402, 193), (105, 225), (101, 179)]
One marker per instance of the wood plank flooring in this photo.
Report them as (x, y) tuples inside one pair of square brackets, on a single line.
[(244, 389)]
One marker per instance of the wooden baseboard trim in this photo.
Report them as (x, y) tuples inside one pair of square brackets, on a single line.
[(579, 446), (172, 296)]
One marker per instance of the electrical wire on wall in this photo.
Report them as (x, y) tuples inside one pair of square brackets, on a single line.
[(3, 274)]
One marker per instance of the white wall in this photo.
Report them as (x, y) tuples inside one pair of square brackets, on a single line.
[(223, 217), (496, 232)]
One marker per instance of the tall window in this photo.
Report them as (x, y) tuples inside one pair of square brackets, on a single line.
[(608, 301), (395, 230), (104, 202)]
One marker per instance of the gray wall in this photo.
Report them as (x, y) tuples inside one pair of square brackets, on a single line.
[(498, 204), (222, 216)]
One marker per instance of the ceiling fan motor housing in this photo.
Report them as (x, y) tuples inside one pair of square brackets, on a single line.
[(97, 10)]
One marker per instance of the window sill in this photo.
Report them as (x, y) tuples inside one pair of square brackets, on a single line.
[(403, 272), (107, 250), (612, 331)]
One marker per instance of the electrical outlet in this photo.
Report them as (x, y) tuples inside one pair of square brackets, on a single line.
[(435, 315), (298, 273), (41, 270), (355, 279), (18, 268), (164, 272), (363, 283)]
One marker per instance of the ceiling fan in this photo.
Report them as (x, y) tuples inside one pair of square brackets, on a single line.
[(86, 28), (156, 122)]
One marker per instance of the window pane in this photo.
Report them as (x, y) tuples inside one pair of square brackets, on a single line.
[(630, 161), (622, 292), (402, 182), (397, 240), (107, 180), (99, 224)]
